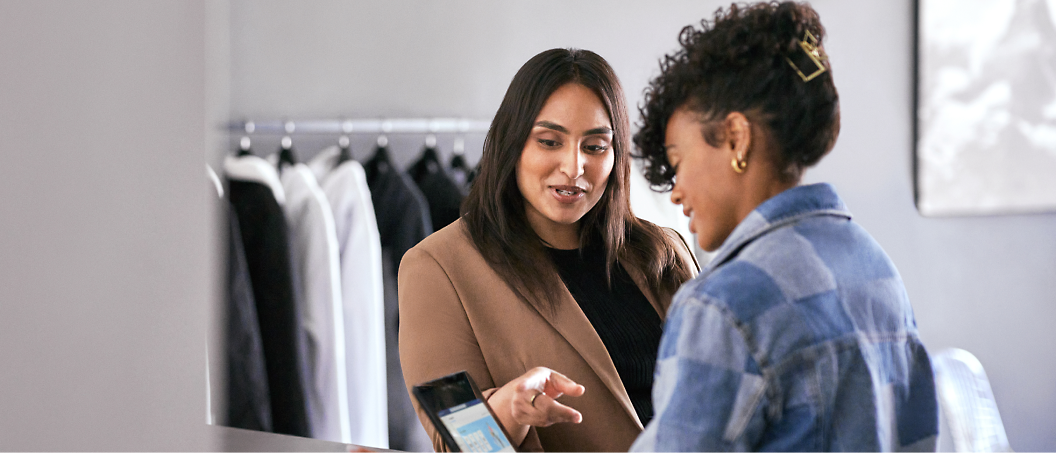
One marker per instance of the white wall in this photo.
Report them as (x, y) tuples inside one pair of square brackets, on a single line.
[(980, 283), (104, 226)]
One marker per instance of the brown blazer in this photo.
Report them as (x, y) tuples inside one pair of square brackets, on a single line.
[(456, 313)]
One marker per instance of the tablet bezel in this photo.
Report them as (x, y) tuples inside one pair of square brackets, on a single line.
[(433, 413)]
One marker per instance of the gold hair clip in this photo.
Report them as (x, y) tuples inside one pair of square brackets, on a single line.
[(809, 44)]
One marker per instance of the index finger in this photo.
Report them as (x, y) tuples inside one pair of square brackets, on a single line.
[(555, 412), (559, 384)]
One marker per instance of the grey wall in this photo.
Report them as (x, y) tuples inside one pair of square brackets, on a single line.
[(985, 284), (104, 226)]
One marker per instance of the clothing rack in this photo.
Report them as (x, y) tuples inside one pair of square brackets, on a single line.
[(361, 126), (346, 127)]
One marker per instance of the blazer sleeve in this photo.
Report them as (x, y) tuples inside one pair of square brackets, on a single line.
[(436, 336)]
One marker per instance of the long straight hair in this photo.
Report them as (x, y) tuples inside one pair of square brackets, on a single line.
[(494, 211)]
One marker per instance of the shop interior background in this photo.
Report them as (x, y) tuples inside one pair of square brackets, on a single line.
[(108, 271)]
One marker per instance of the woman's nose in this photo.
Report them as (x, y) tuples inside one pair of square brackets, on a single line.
[(572, 162), (676, 195)]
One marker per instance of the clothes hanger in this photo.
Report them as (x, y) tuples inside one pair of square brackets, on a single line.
[(286, 153), (428, 163), (245, 146), (379, 162), (344, 144), (460, 171), (382, 150), (429, 153), (458, 159), (380, 159)]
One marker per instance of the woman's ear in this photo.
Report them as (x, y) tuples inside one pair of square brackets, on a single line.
[(739, 134)]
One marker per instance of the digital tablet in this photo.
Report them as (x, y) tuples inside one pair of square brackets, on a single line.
[(461, 415)]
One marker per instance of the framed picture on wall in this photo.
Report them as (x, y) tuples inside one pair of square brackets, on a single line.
[(986, 107)]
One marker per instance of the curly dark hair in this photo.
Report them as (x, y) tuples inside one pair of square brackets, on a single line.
[(739, 62)]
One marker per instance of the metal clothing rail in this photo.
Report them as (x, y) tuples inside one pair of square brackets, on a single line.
[(361, 126)]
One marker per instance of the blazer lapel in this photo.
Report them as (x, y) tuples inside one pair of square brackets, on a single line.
[(639, 280), (569, 321)]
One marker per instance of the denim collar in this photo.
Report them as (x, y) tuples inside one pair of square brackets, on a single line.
[(782, 209)]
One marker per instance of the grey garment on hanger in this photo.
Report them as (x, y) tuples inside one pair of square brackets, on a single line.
[(442, 193), (246, 381), (403, 221)]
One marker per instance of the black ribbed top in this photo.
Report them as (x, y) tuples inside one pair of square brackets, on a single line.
[(624, 319)]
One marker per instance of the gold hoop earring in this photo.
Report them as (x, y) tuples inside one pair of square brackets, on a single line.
[(739, 165)]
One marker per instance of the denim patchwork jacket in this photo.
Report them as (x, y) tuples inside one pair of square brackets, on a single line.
[(797, 336)]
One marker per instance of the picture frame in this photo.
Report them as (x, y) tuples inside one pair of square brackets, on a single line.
[(985, 101)]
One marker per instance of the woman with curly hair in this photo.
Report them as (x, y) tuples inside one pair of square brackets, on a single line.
[(799, 334), (548, 269)]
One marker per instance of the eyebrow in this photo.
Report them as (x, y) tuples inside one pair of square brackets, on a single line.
[(559, 128), (599, 131)]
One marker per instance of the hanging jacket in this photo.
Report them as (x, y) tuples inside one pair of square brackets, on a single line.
[(256, 195), (359, 251), (316, 273), (443, 194), (403, 220), (247, 400)]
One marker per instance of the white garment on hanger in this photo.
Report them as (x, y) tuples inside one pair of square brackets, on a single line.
[(314, 250), (215, 180), (255, 169), (361, 281), (209, 415)]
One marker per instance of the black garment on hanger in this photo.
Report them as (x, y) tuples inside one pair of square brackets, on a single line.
[(472, 176), (403, 220), (443, 194), (458, 162), (248, 400), (460, 172), (266, 244), (400, 207)]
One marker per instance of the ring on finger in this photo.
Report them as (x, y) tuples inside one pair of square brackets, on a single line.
[(532, 401)]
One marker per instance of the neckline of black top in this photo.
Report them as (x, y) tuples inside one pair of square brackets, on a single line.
[(623, 318)]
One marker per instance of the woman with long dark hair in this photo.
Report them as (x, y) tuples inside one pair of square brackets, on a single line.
[(548, 269)]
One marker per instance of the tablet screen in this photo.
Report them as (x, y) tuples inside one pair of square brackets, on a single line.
[(458, 411), (473, 428)]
